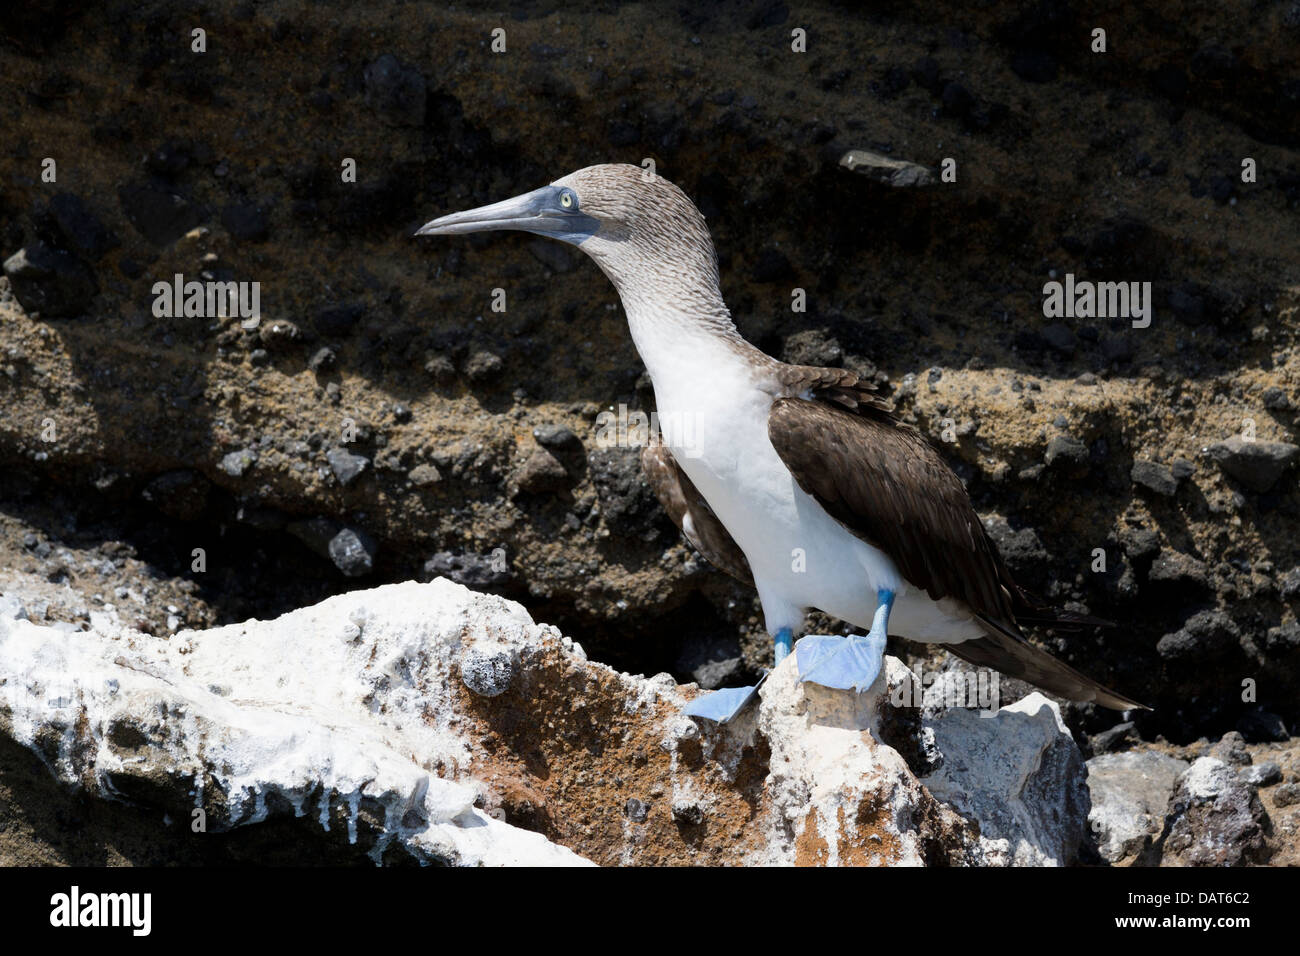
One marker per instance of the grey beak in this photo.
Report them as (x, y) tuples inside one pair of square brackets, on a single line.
[(538, 211)]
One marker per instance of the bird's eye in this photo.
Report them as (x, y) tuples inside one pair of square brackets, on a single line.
[(566, 200)]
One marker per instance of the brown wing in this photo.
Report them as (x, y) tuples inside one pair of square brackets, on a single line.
[(690, 512), (883, 481)]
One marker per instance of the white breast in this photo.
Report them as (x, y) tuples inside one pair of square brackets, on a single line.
[(713, 417)]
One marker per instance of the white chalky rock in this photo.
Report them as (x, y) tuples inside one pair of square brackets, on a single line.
[(242, 719)]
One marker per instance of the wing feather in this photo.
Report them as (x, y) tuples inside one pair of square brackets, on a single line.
[(691, 513), (883, 481)]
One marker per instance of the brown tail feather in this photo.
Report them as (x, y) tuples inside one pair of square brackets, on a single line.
[(1016, 657)]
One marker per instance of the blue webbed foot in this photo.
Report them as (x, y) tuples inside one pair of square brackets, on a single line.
[(723, 705), (847, 663), (842, 663)]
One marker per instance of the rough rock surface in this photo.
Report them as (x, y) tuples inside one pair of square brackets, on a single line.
[(428, 722), (1130, 793), (1020, 775), (317, 714), (1215, 818)]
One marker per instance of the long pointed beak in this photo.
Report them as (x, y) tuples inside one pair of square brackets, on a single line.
[(525, 212), (538, 211)]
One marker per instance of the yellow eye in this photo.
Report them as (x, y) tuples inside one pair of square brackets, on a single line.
[(566, 200)]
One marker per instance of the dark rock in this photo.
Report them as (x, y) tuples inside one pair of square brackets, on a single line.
[(1275, 400), (1171, 81), (50, 281), (337, 321), (1034, 66), (316, 533), (245, 222), (1214, 819), (346, 466), (1117, 349), (556, 437), (440, 369), (169, 160), (772, 266), (926, 74), (1022, 551), (1060, 338), (1283, 641), (1116, 738), (1187, 306), (636, 810), (470, 569), (322, 359), (541, 472), (812, 347), (1140, 544), (1154, 476), (130, 268), (401, 413), (628, 504), (688, 811), (353, 552), (1179, 570), (1290, 586), (487, 669), (179, 494), (279, 335), (898, 173), (1256, 464), (483, 366), (956, 99), (1067, 451), (81, 229), (712, 663), (1182, 468), (160, 215), (1207, 635), (260, 517), (1259, 726), (1231, 749), (771, 14), (397, 92)]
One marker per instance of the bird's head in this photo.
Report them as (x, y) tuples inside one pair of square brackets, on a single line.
[(636, 225)]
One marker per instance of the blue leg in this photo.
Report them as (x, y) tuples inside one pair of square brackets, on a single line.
[(723, 705), (851, 662), (784, 642)]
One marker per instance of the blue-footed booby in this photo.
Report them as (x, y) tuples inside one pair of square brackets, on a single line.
[(795, 479)]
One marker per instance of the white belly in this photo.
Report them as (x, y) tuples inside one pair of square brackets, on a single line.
[(801, 557)]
